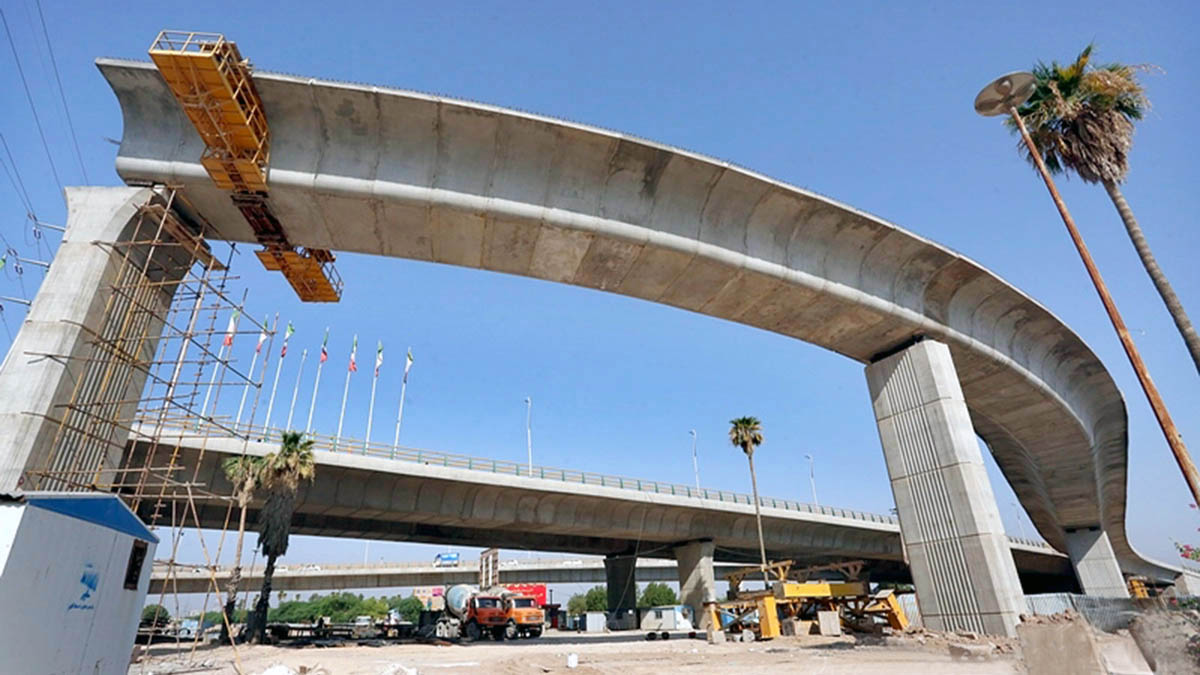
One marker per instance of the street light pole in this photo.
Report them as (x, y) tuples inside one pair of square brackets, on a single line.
[(529, 431), (812, 479), (695, 462), (1002, 97)]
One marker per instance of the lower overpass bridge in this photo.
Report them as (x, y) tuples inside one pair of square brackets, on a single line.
[(325, 577), (374, 491)]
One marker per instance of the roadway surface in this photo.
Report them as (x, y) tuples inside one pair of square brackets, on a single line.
[(396, 173)]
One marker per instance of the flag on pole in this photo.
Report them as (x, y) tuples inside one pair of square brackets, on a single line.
[(262, 337), (378, 358), (231, 328), (325, 352), (353, 356), (408, 361), (287, 334)]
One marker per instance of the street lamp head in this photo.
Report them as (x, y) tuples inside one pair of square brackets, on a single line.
[(1004, 93), (808, 457), (693, 433)]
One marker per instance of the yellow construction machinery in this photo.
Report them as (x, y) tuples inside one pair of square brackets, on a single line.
[(212, 83), (791, 607)]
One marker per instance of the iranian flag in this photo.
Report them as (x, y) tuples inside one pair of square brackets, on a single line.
[(262, 337), (378, 358), (354, 356), (324, 343), (287, 334), (408, 361), (231, 328)]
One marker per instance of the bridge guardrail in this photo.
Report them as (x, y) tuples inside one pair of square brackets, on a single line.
[(327, 443)]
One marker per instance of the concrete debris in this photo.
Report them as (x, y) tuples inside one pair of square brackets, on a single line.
[(961, 651), (1060, 644), (1170, 641)]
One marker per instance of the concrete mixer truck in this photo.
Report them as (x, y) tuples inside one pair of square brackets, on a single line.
[(496, 613)]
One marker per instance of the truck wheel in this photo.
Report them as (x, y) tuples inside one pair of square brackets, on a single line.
[(510, 631), (472, 631)]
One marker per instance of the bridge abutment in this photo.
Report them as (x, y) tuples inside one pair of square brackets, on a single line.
[(950, 526), (697, 582), (1095, 564), (619, 581), (53, 361)]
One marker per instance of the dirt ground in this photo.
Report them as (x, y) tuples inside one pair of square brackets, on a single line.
[(614, 653)]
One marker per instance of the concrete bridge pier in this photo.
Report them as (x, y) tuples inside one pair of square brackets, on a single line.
[(1095, 564), (950, 526), (697, 582), (619, 581), (49, 354)]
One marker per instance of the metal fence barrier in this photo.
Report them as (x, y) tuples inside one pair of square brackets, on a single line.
[(1106, 614)]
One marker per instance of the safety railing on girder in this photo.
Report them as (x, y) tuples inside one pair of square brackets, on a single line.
[(327, 443)]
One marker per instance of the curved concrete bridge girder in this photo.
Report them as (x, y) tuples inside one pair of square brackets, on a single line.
[(380, 171)]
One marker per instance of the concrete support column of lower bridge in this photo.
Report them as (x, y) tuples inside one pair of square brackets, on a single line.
[(697, 583), (950, 525), (50, 352), (619, 581), (1096, 565)]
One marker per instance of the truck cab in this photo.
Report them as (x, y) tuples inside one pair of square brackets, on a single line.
[(485, 614), (523, 618)]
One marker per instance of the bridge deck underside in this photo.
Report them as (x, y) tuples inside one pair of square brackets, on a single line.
[(369, 498)]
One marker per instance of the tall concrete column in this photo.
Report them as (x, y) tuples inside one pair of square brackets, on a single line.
[(619, 581), (953, 538), (48, 355), (1095, 563), (697, 583)]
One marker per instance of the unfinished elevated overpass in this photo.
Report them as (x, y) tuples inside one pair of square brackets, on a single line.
[(950, 349)]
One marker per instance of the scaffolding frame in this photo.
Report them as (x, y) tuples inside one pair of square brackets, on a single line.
[(162, 325)]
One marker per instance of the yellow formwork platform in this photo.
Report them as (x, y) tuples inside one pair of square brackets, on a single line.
[(208, 76), (312, 277)]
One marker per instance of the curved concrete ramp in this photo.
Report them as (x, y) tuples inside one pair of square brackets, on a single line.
[(381, 171)]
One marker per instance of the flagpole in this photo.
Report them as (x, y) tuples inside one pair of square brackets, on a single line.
[(320, 365), (253, 361), (400, 413), (345, 393), (275, 386), (371, 411), (212, 381), (296, 389)]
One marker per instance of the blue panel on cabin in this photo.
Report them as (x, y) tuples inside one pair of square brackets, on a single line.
[(106, 510)]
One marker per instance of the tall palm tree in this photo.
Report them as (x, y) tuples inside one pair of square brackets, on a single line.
[(746, 433), (245, 473), (283, 471), (1081, 119)]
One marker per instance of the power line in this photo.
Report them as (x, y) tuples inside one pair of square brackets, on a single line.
[(18, 184), (37, 120), (61, 95)]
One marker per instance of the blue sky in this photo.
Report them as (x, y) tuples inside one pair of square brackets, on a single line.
[(865, 102)]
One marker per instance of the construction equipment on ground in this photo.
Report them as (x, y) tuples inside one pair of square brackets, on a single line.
[(213, 85), (495, 613), (790, 606)]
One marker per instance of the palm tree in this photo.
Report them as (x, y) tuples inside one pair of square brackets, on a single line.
[(1081, 119), (746, 433), (283, 470), (245, 473)]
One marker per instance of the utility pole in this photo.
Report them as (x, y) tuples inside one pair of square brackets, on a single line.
[(695, 462), (1003, 96), (529, 431)]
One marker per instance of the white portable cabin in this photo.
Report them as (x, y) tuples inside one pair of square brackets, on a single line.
[(74, 571), (668, 617)]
